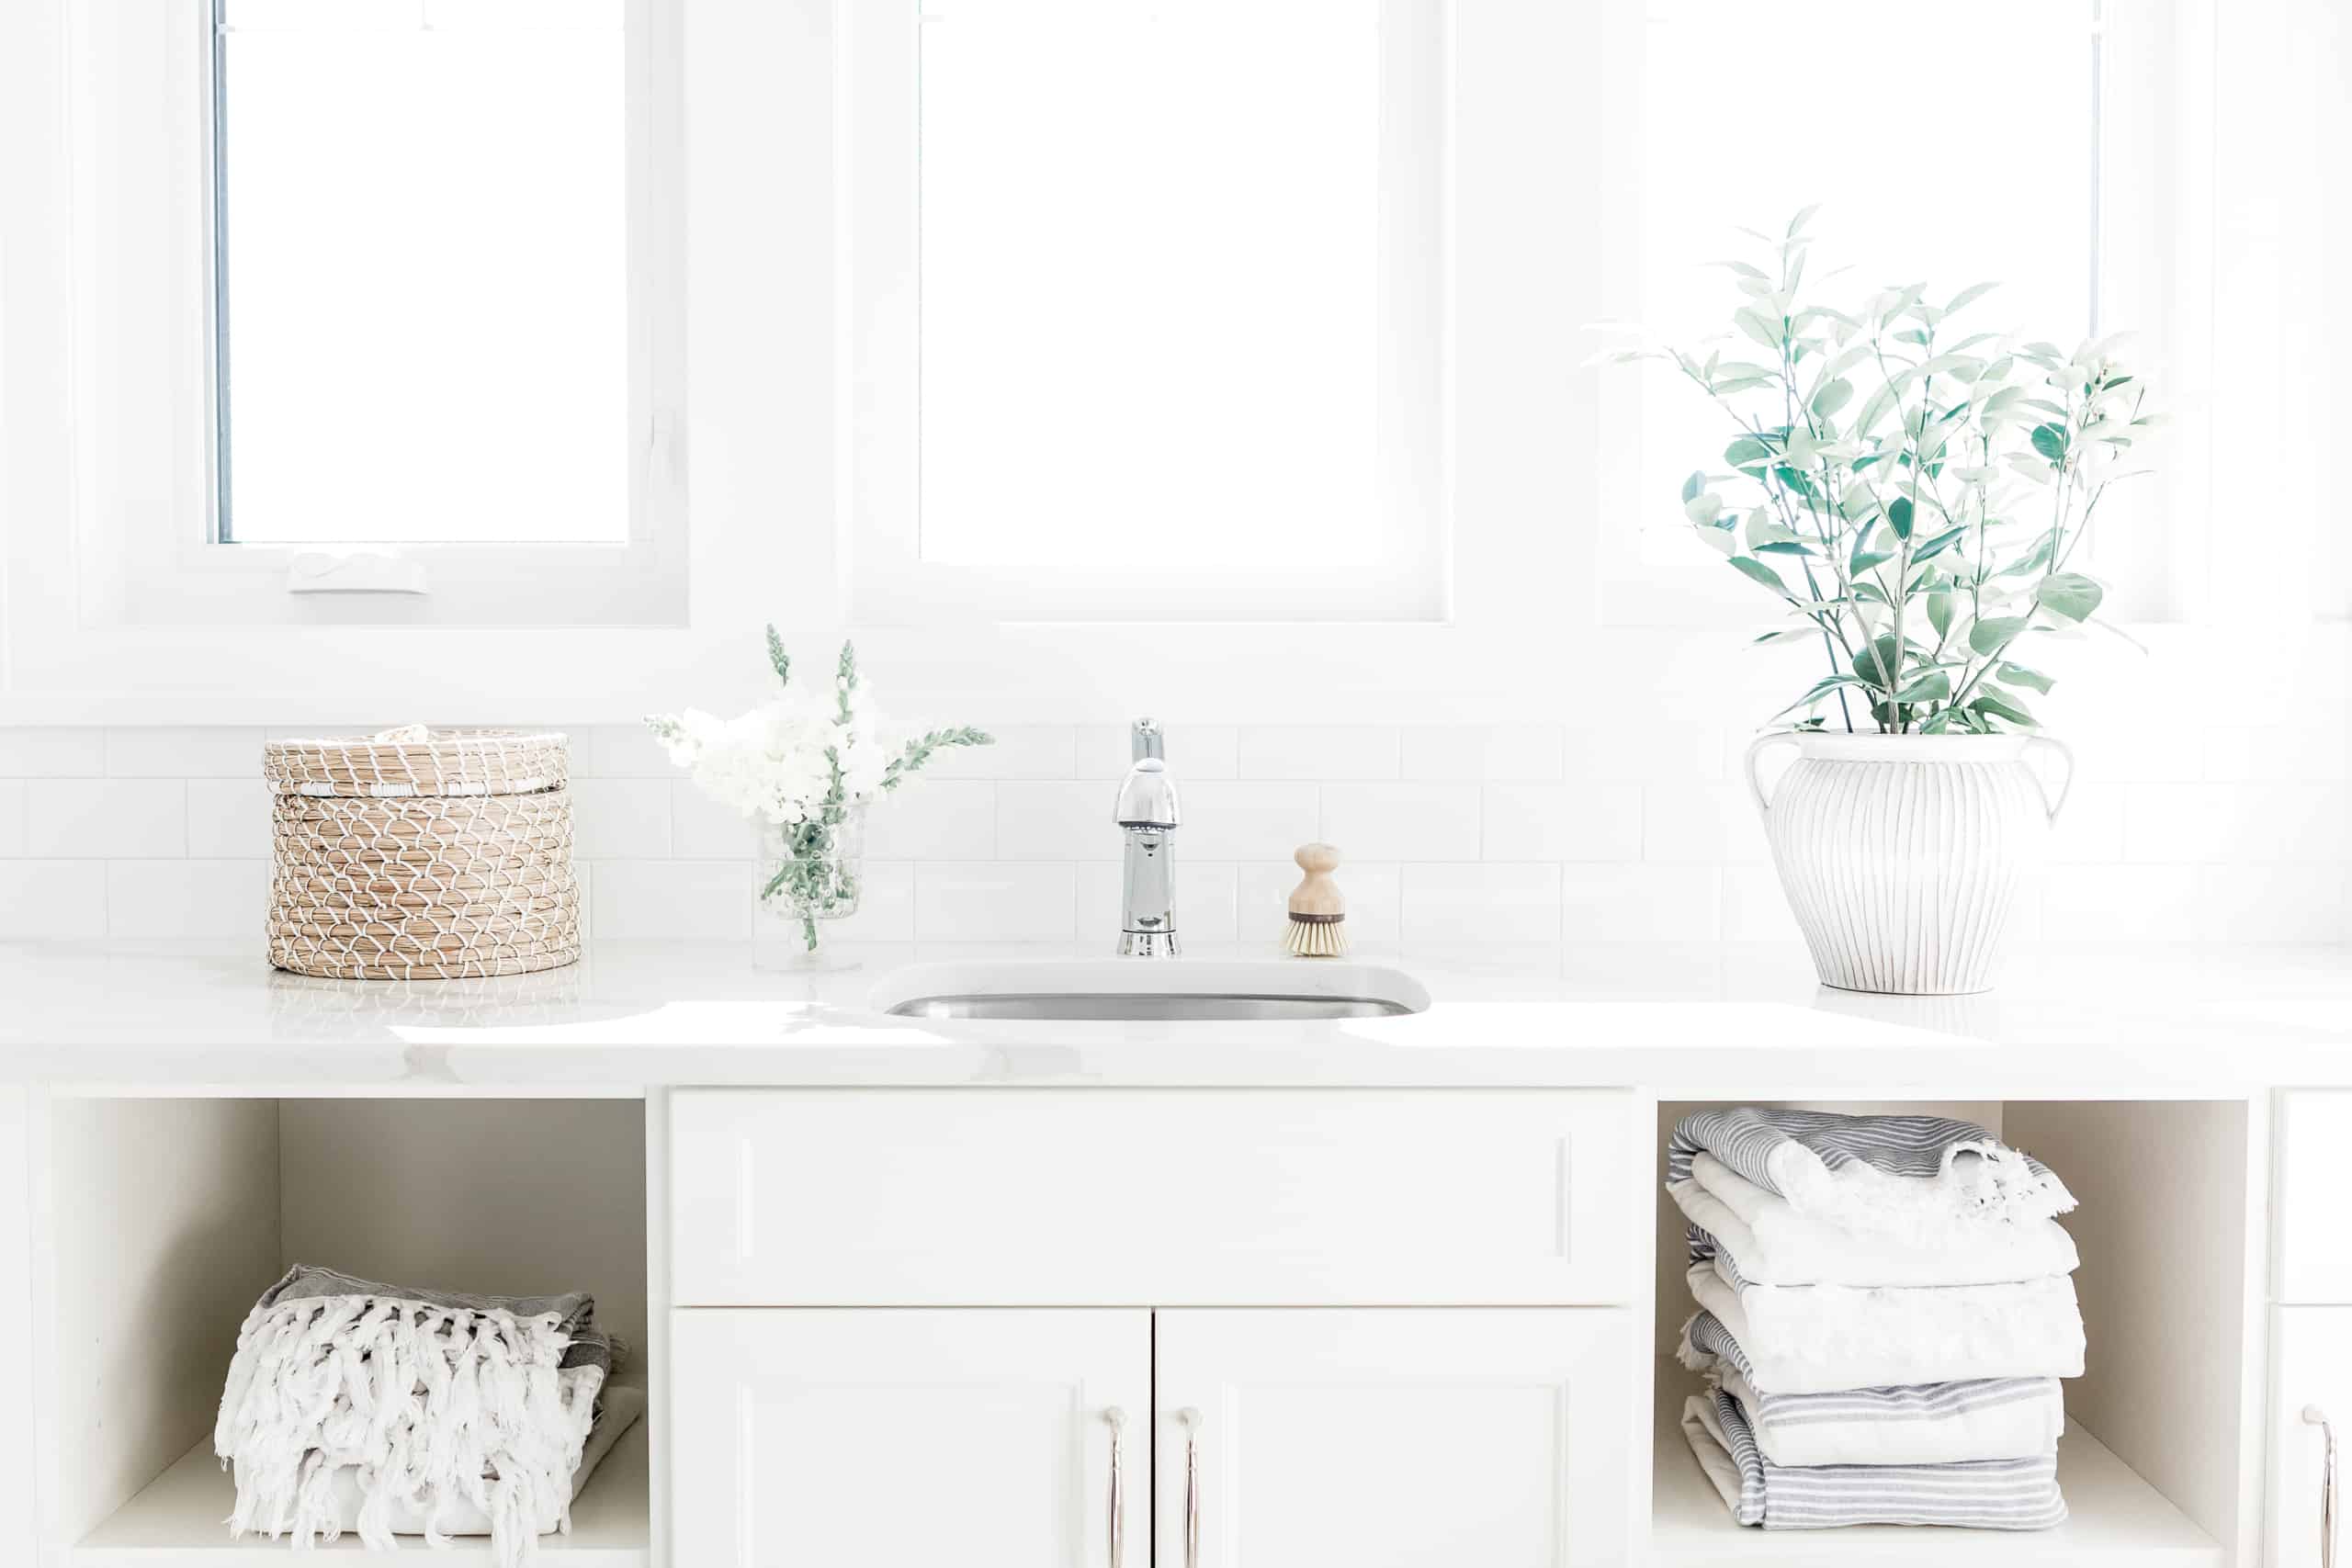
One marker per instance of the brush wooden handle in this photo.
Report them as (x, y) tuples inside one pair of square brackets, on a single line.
[(1316, 894)]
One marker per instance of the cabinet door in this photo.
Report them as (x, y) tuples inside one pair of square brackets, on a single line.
[(2311, 1370), (814, 1439), (1381, 1437)]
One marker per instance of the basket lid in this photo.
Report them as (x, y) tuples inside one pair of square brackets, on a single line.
[(416, 760)]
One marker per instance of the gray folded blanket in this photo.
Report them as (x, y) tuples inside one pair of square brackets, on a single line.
[(1925, 1178)]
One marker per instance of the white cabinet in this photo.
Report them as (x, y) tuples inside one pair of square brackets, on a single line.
[(885, 1439), (1172, 1197), (1426, 1438), (1380, 1437), (2310, 1369)]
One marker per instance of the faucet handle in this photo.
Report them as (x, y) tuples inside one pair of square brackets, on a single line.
[(1145, 739)]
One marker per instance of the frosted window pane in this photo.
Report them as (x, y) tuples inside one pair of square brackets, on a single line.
[(1944, 145), (426, 310), (1149, 280)]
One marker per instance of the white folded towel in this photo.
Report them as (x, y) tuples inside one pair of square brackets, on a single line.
[(1825, 1338), (1778, 1245), (1936, 1423)]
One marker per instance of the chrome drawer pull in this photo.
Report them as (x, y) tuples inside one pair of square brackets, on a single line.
[(2314, 1417), (1191, 1422), (1118, 1420)]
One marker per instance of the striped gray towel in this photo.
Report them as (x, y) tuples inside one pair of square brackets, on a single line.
[(2002, 1494), (1937, 1423), (1921, 1178)]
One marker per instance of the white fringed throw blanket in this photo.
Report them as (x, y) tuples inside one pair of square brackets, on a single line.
[(433, 1399)]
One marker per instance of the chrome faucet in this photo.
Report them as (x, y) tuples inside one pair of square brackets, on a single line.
[(1146, 816)]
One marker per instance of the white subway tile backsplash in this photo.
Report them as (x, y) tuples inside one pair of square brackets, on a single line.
[(228, 818), (106, 818), (1042, 819), (225, 900), (2123, 902), (619, 751), (1670, 751), (1754, 907), (995, 901), (1319, 752), (621, 819), (929, 819), (1701, 825), (1246, 821), (1402, 821), (705, 828), (1530, 752), (2274, 903), (2253, 823), (53, 900), (684, 900), (1452, 905), (47, 752), (11, 818), (1549, 822), (1640, 903), (184, 751), (2089, 829), (1017, 751)]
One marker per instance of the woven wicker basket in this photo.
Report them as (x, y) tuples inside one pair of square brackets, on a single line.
[(417, 855)]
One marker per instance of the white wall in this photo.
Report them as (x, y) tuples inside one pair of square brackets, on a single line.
[(1532, 832)]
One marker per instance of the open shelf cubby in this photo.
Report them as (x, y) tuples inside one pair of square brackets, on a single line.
[(2151, 1463), (170, 1216)]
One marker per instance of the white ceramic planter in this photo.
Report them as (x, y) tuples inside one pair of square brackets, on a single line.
[(1902, 854)]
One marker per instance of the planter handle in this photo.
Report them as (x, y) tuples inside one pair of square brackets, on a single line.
[(1756, 749), (2064, 784)]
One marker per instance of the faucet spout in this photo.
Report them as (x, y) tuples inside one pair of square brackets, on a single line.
[(1147, 817)]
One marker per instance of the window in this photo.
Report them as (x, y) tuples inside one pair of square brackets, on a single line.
[(421, 234), (1150, 305), (1740, 114), (379, 311)]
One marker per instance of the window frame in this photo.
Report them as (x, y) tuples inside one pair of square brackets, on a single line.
[(154, 554), (1405, 578)]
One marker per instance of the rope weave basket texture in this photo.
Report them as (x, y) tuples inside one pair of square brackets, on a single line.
[(418, 855)]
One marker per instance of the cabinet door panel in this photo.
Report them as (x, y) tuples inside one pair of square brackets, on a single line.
[(2314, 1129), (1382, 1438), (2312, 1368), (877, 1440)]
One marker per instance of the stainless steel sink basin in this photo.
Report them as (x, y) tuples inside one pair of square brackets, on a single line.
[(1151, 990)]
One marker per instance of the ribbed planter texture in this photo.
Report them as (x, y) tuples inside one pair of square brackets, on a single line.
[(1902, 855)]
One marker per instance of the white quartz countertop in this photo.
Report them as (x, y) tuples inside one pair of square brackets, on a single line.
[(1702, 1022)]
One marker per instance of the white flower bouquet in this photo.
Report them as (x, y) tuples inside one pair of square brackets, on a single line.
[(804, 767)]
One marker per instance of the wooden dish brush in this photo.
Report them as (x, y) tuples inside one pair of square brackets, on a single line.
[(1318, 911)]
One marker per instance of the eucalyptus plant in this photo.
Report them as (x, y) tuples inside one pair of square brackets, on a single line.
[(1913, 498)]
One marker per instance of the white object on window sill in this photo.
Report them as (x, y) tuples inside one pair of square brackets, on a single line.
[(355, 571)]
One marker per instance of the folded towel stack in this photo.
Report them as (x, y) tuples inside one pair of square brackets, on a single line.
[(1885, 1309), (356, 1406)]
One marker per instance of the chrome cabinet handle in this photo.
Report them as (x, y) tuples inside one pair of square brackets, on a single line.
[(1190, 1419), (2314, 1417), (1118, 1420)]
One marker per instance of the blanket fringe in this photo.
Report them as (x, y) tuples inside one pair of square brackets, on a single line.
[(430, 1405)]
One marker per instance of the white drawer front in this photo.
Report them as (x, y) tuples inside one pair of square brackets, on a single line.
[(2314, 1197), (1177, 1196)]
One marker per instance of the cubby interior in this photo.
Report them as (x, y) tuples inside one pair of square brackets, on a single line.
[(170, 1217), (2152, 1463)]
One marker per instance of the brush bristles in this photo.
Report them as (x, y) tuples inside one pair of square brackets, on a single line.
[(1315, 939)]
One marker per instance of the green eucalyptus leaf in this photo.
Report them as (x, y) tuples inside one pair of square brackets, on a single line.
[(2069, 594), (1932, 687), (1988, 636), (1939, 545), (1751, 566), (1694, 485), (1785, 547), (1832, 397), (2019, 675), (1898, 516), (1703, 508), (1888, 654), (2050, 440), (1745, 451), (1940, 610), (1973, 292)]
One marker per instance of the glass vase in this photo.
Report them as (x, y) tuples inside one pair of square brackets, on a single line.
[(812, 872)]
